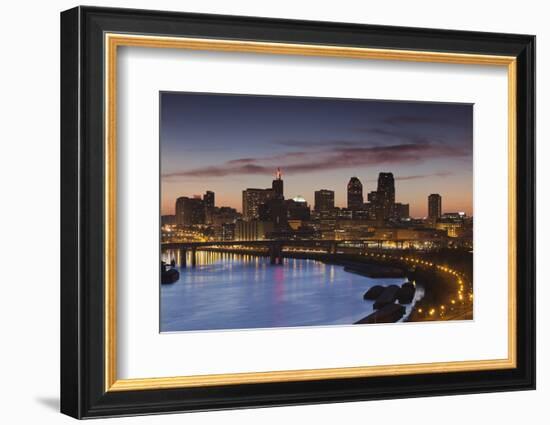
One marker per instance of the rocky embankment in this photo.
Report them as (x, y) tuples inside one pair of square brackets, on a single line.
[(388, 302)]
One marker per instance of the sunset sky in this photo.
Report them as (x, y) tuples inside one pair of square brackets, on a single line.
[(227, 143)]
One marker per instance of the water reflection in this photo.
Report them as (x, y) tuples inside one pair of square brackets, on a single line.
[(234, 291)]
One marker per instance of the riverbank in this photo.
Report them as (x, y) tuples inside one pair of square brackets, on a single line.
[(445, 276), (226, 291)]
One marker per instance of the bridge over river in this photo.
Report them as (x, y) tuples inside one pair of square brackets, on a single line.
[(275, 247)]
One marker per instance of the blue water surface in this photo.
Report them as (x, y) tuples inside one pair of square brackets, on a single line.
[(230, 291)]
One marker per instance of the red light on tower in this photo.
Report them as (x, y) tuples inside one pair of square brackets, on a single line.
[(278, 175)]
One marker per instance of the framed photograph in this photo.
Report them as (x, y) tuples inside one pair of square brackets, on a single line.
[(261, 212)]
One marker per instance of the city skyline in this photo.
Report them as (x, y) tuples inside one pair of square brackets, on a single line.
[(318, 144)]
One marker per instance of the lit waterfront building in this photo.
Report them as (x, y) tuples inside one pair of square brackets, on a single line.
[(324, 200), (456, 224), (355, 194), (252, 230), (167, 220), (189, 211), (252, 199), (434, 207)]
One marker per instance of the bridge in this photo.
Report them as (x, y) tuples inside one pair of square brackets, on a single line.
[(275, 247)]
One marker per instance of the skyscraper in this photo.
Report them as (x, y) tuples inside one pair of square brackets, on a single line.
[(355, 194), (434, 206), (252, 199), (385, 197), (189, 211), (209, 203), (324, 200), (277, 185)]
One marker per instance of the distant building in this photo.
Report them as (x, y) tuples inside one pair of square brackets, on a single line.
[(454, 216), (353, 229), (453, 228), (434, 207), (344, 214), (167, 220), (209, 204), (382, 200), (385, 195), (228, 232), (324, 200), (252, 199), (252, 230), (189, 211), (274, 210), (367, 212), (410, 234), (456, 224), (355, 194), (400, 211), (298, 209), (223, 215), (277, 185)]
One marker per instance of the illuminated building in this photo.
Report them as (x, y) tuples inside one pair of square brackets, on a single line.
[(224, 215), (252, 230), (453, 228), (227, 232), (189, 211), (456, 224), (434, 207), (274, 210), (400, 211), (277, 185), (252, 199), (298, 209), (209, 204), (385, 196), (355, 194), (324, 200), (167, 220)]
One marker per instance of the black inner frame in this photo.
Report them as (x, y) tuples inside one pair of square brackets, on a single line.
[(82, 208)]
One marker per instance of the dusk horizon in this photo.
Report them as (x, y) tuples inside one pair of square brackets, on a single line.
[(318, 143)]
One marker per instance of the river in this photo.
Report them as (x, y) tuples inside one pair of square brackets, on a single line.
[(233, 291)]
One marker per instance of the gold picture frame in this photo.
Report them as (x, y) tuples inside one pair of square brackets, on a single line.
[(114, 41)]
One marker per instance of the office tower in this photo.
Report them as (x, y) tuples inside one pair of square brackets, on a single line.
[(277, 185), (324, 200), (209, 204), (385, 197), (252, 199), (189, 211), (434, 206), (355, 194)]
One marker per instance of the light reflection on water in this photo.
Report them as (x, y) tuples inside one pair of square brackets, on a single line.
[(232, 291)]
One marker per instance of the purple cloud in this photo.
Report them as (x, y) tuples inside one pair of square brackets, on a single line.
[(339, 157)]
